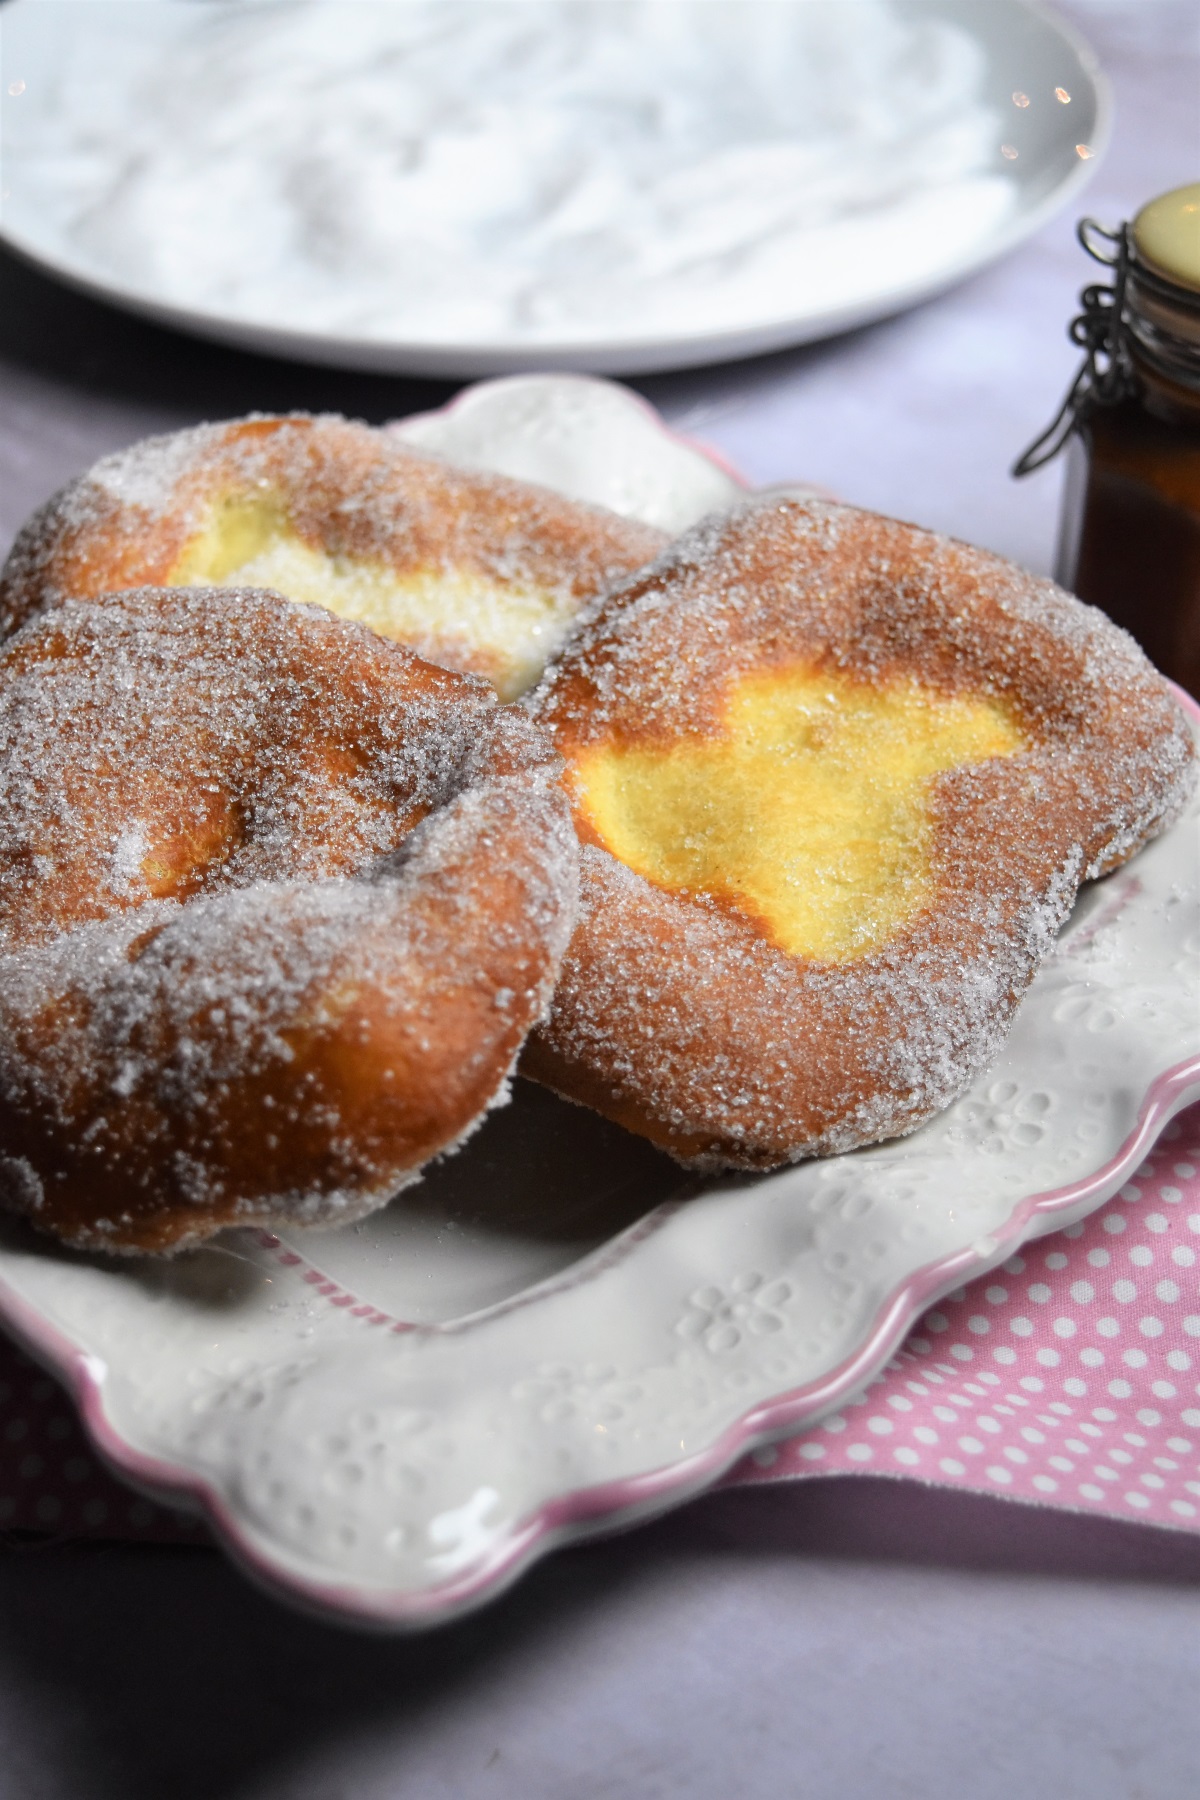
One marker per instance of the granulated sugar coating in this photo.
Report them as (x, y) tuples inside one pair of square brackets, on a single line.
[(278, 904), (838, 781), (473, 571)]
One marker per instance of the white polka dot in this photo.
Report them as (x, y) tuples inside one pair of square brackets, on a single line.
[(1092, 1359), (1038, 1292), (1163, 1390), (880, 1426), (947, 1415), (924, 1434), (1157, 1221), (936, 1321), (1120, 1390), (997, 1472), (1194, 1221), (1180, 1445), (1015, 1454), (1075, 1387), (985, 1375), (767, 1456), (1108, 1328), (1099, 1259), (1178, 1360), (1185, 1171), (1056, 1406), (811, 1452), (1129, 1192), (1172, 1196), (1045, 1484), (1062, 1463), (1192, 1325), (971, 1445), (1124, 1291), (1104, 1473), (1082, 1292), (916, 1387), (1020, 1326), (1056, 1260), (1049, 1359), (1183, 1255), (1135, 1438), (1076, 1446), (1167, 1291), (1016, 1264), (958, 1295), (1115, 1223), (996, 1295), (906, 1456), (1004, 1355), (1134, 1359), (1065, 1328), (859, 1452), (979, 1325), (1184, 1508), (1090, 1491), (1032, 1435), (1033, 1384), (899, 1403), (1141, 1256), (961, 1353), (1148, 1416), (985, 1422), (1150, 1327), (834, 1422), (1072, 1231), (950, 1467), (1091, 1430), (1105, 1414), (1139, 1500)]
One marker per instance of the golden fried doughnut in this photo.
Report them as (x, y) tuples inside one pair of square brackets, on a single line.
[(475, 572), (279, 902), (838, 781)]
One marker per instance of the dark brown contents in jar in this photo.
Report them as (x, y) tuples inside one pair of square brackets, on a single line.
[(1138, 554)]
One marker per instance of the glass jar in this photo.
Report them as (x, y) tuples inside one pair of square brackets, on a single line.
[(1130, 537)]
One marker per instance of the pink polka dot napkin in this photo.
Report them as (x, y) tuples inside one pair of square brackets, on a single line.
[(1069, 1377)]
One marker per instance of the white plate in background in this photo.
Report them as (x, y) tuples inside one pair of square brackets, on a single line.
[(863, 265)]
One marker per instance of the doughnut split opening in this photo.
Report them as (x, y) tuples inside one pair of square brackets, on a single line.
[(810, 813)]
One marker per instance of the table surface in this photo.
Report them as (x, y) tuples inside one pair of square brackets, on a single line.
[(839, 1638)]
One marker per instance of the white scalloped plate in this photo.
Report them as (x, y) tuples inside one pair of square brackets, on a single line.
[(546, 1338)]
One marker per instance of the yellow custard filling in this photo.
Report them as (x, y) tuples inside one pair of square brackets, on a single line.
[(505, 630), (809, 813)]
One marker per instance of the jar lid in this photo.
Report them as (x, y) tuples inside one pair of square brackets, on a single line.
[(1166, 235)]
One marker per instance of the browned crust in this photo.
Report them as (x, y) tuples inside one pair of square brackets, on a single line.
[(349, 490), (295, 1014), (676, 1015)]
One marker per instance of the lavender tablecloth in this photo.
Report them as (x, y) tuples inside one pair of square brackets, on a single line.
[(833, 1639)]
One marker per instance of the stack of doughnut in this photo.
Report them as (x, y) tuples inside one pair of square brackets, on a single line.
[(285, 892)]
